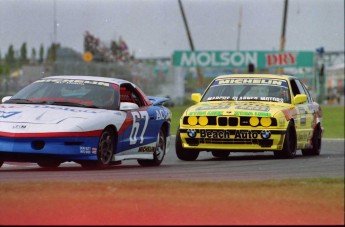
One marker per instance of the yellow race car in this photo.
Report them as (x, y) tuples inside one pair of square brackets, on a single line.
[(251, 113)]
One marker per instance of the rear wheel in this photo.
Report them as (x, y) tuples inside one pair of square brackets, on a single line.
[(105, 151), (182, 153), (159, 153), (289, 147), (316, 140), (221, 154)]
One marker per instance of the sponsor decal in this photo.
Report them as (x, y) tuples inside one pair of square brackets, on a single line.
[(216, 134), (213, 107), (255, 108), (208, 113), (50, 99), (71, 81), (220, 98), (277, 82), (275, 99), (229, 134), (280, 59), (4, 114), (245, 134), (257, 114), (214, 113), (147, 149), (241, 98), (214, 59), (63, 108), (6, 106), (241, 59), (303, 117), (19, 126), (197, 113), (211, 110), (85, 150), (161, 114), (71, 109)]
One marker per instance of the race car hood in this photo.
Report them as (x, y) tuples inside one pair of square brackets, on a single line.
[(239, 108), (43, 114)]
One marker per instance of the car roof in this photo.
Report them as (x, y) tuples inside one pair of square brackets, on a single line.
[(96, 78), (269, 76)]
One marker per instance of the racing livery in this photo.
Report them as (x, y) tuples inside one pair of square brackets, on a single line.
[(94, 121), (251, 113)]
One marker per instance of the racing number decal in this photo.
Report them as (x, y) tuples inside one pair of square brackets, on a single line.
[(138, 118)]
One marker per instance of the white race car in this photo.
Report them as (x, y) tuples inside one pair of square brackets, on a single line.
[(94, 121)]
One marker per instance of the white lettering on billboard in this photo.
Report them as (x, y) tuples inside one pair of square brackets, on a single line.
[(209, 59)]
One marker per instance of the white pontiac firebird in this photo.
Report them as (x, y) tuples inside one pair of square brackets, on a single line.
[(93, 121)]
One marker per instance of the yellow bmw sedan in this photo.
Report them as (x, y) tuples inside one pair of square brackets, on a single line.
[(251, 113)]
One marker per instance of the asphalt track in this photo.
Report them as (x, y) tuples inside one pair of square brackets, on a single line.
[(238, 166)]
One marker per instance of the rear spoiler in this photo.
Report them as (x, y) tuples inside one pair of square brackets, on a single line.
[(157, 100)]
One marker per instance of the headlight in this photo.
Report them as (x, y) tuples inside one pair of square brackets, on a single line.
[(265, 121), (192, 120), (254, 121), (203, 120)]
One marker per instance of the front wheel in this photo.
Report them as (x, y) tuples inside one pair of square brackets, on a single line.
[(289, 147), (182, 153), (159, 153), (105, 151)]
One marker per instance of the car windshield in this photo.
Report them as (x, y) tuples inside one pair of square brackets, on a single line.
[(82, 93), (248, 89)]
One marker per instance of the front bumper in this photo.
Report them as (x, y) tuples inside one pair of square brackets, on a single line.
[(61, 148), (239, 139)]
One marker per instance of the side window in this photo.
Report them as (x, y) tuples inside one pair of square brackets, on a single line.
[(303, 90), (129, 94), (294, 87), (298, 88)]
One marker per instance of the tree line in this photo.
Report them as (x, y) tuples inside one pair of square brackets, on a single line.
[(14, 59)]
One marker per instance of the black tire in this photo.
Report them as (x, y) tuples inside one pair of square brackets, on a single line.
[(49, 164), (159, 153), (105, 151), (289, 147), (182, 153), (316, 140), (220, 154)]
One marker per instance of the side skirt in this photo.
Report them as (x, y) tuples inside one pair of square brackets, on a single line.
[(133, 156)]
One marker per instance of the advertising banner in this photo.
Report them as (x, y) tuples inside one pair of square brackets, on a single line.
[(241, 59)]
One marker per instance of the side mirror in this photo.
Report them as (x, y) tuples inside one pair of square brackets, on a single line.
[(128, 106), (301, 98), (4, 99), (196, 97)]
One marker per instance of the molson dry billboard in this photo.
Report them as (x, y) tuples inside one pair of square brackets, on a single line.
[(241, 59)]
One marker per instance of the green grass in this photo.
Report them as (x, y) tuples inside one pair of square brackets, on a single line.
[(332, 121), (177, 112)]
